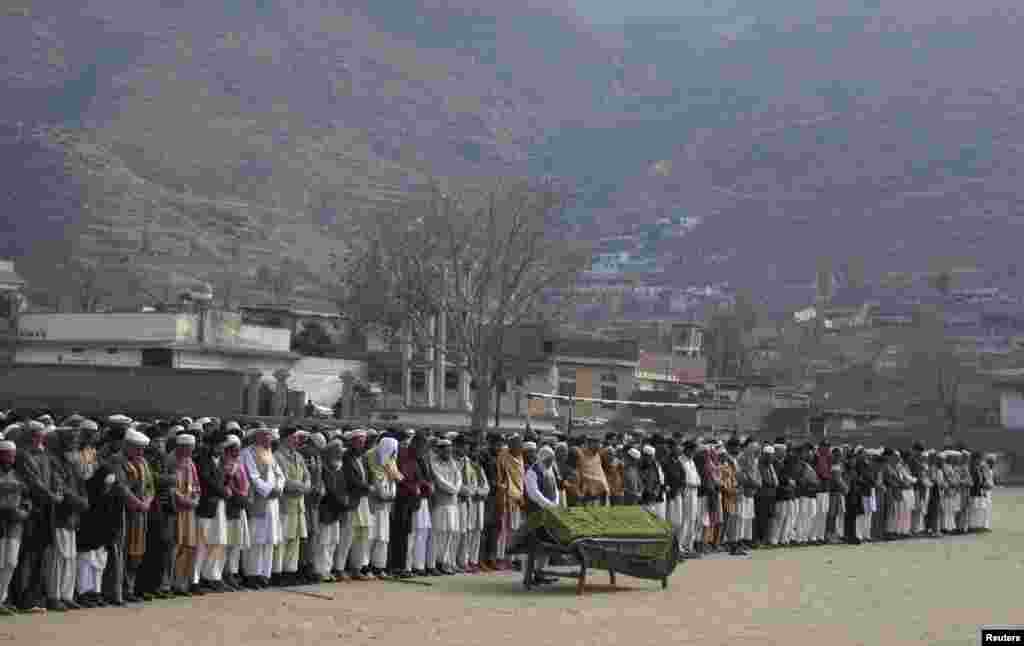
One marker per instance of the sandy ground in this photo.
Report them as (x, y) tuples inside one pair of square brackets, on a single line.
[(917, 592)]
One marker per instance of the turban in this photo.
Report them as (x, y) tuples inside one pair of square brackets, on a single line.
[(529, 446), (232, 440), (136, 439), (185, 440)]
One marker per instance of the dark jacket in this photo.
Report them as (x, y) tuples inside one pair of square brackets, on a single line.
[(336, 499), (67, 514), (211, 483), (357, 484), (103, 522), (675, 476)]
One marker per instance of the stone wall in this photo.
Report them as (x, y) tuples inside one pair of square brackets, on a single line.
[(134, 391)]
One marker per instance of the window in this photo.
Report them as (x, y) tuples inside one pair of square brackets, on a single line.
[(158, 357)]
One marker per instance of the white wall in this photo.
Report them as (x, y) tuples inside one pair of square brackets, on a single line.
[(108, 327), (320, 378)]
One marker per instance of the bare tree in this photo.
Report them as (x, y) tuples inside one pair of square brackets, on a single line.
[(487, 261)]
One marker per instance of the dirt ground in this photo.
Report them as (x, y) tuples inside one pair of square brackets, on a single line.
[(917, 592)]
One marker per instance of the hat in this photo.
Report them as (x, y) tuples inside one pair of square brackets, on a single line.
[(195, 427), (136, 439), (529, 446), (443, 442), (633, 453), (185, 421), (203, 420), (545, 452), (410, 432), (451, 435), (319, 441), (768, 449), (648, 449), (184, 439), (232, 426), (35, 426), (121, 420), (176, 429), (46, 419), (7, 445), (231, 440)]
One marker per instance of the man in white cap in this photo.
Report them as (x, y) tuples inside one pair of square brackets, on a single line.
[(445, 512), (542, 493), (312, 452), (62, 557), (35, 468), (186, 499), (354, 547), (13, 514), (267, 481), (139, 492), (293, 505)]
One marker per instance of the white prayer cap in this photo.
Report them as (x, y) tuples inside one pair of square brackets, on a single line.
[(275, 433), (232, 426), (185, 440), (529, 446), (136, 439), (89, 425), (633, 453), (768, 449), (7, 445), (410, 432), (231, 440), (46, 419), (186, 420), (648, 449), (36, 426), (119, 419), (451, 435), (318, 440), (177, 428), (545, 453), (195, 427), (443, 442), (203, 420)]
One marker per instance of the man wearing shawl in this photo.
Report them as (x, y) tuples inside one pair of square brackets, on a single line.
[(712, 480), (333, 510), (385, 479), (445, 508), (477, 511), (312, 451), (823, 499), (14, 511), (542, 493), (187, 492), (35, 468), (293, 505), (416, 490), (355, 533), (509, 495), (236, 509), (62, 557), (593, 483), (139, 493), (764, 502), (267, 481), (748, 481), (654, 482)]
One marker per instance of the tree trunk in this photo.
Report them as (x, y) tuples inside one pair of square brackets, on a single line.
[(482, 401)]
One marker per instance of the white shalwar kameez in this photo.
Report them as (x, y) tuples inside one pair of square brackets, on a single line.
[(264, 528), (416, 555), (384, 491), (445, 514)]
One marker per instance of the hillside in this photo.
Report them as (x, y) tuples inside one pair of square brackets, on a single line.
[(204, 140)]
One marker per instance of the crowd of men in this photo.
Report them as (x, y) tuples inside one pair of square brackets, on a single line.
[(123, 512)]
